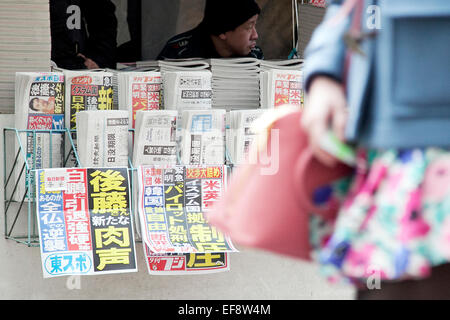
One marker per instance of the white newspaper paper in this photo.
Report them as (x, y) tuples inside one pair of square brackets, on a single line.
[(102, 138)]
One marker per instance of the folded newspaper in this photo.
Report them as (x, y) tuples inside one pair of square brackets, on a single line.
[(84, 221), (193, 64), (202, 137), (281, 86), (39, 105), (177, 238), (155, 138), (139, 91), (187, 90), (102, 138), (86, 90), (286, 64), (240, 135)]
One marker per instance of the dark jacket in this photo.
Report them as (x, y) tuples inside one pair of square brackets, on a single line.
[(195, 43), (98, 20)]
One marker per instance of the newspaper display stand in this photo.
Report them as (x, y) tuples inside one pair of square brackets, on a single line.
[(23, 205), (23, 210)]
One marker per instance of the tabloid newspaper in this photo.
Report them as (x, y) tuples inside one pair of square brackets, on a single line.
[(187, 90), (281, 86), (139, 91), (84, 220), (240, 135), (176, 237), (202, 137), (102, 138), (86, 90), (39, 105), (155, 138)]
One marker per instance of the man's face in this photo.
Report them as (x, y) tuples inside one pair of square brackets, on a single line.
[(242, 40)]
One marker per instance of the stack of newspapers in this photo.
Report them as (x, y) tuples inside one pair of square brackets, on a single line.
[(240, 135), (289, 64), (235, 83), (155, 138), (281, 82), (39, 105), (102, 138), (202, 137), (183, 65), (148, 65)]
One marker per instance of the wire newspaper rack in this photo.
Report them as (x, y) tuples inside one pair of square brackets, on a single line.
[(20, 214)]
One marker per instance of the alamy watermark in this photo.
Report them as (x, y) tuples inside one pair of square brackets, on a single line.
[(73, 282), (373, 20), (373, 281)]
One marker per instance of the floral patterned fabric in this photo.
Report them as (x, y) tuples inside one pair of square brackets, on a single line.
[(394, 218)]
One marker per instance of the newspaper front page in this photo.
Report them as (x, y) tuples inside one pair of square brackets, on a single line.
[(39, 105), (85, 222), (172, 200), (86, 90), (279, 87), (202, 137), (155, 138), (185, 90), (139, 91), (102, 138)]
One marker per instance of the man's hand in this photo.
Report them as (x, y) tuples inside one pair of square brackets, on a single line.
[(89, 63), (325, 109)]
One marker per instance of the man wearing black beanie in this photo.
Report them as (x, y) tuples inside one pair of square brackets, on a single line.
[(228, 30)]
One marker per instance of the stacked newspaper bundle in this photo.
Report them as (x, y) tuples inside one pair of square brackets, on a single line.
[(202, 137), (139, 91), (187, 90), (86, 90), (176, 65), (281, 82), (183, 65), (194, 64), (138, 66), (155, 138), (289, 64), (235, 83), (39, 105), (148, 64), (240, 135), (102, 138)]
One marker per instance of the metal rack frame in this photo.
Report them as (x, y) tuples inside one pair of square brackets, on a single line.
[(12, 178)]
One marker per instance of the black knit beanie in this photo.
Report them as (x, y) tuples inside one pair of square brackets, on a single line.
[(226, 15)]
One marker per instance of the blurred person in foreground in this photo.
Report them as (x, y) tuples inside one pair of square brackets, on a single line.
[(376, 75)]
